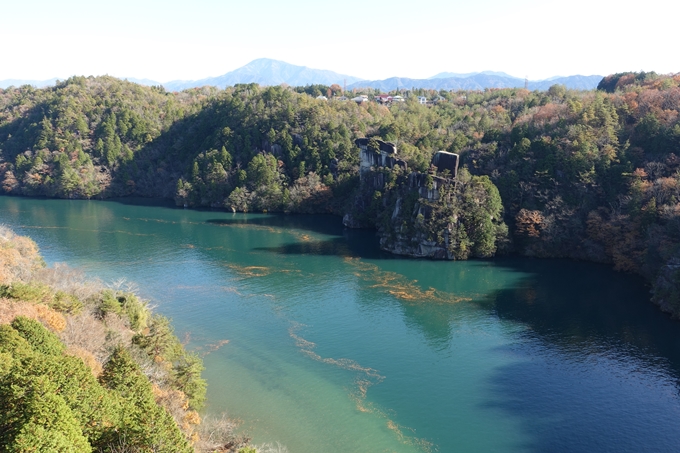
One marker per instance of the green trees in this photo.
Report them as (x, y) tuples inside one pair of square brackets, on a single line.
[(85, 131), (40, 339), (36, 392), (262, 170), (163, 347), (52, 402), (42, 420), (481, 213), (187, 376), (143, 424)]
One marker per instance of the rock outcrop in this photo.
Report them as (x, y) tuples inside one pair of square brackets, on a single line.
[(411, 210)]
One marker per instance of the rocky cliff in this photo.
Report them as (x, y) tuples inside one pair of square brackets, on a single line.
[(441, 214)]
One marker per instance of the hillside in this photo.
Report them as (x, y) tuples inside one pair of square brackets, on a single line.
[(85, 367), (589, 175)]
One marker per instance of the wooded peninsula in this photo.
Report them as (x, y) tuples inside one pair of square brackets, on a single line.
[(588, 175)]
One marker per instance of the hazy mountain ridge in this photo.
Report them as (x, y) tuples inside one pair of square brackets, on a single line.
[(448, 75), (265, 71), (145, 82), (51, 82), (479, 82), (20, 82)]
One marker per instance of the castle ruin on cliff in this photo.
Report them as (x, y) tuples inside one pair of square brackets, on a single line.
[(377, 153)]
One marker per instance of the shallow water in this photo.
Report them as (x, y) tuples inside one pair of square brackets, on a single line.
[(316, 339)]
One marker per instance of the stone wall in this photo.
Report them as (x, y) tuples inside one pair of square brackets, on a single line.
[(386, 157)]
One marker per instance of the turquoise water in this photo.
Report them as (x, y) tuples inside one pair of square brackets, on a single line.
[(316, 339)]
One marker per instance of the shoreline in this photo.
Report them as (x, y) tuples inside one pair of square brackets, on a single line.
[(99, 326)]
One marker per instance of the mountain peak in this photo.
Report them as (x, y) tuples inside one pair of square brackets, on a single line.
[(266, 71)]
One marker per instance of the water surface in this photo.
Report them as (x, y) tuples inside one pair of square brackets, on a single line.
[(316, 339)]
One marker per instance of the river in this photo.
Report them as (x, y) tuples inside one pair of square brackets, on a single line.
[(316, 339)]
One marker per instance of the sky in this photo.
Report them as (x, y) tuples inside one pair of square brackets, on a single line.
[(372, 39)]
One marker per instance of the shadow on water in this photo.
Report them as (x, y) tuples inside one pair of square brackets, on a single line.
[(597, 368), (567, 305), (322, 224), (576, 305), (345, 242), (346, 246), (142, 201)]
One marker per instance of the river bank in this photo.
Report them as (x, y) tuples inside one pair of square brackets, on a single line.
[(95, 329)]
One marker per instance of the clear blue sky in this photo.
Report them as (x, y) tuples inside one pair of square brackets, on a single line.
[(373, 39)]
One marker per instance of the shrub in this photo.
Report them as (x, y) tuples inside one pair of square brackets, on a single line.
[(144, 425), (40, 339), (36, 418), (188, 379), (29, 292)]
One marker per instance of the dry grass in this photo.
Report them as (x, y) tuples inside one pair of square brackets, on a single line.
[(218, 434), (85, 331), (10, 309), (177, 405), (88, 358), (118, 329), (271, 448), (19, 257), (69, 280)]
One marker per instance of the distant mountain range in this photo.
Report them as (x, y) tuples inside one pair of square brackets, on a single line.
[(448, 75), (18, 82), (265, 71), (478, 81), (50, 82)]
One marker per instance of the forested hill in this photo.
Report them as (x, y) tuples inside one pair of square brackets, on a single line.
[(583, 174)]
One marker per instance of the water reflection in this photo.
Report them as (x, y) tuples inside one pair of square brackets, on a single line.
[(597, 366), (579, 307)]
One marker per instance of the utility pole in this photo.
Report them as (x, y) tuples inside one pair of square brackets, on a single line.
[(344, 88), (526, 82)]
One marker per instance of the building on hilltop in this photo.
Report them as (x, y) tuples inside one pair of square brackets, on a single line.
[(383, 98)]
